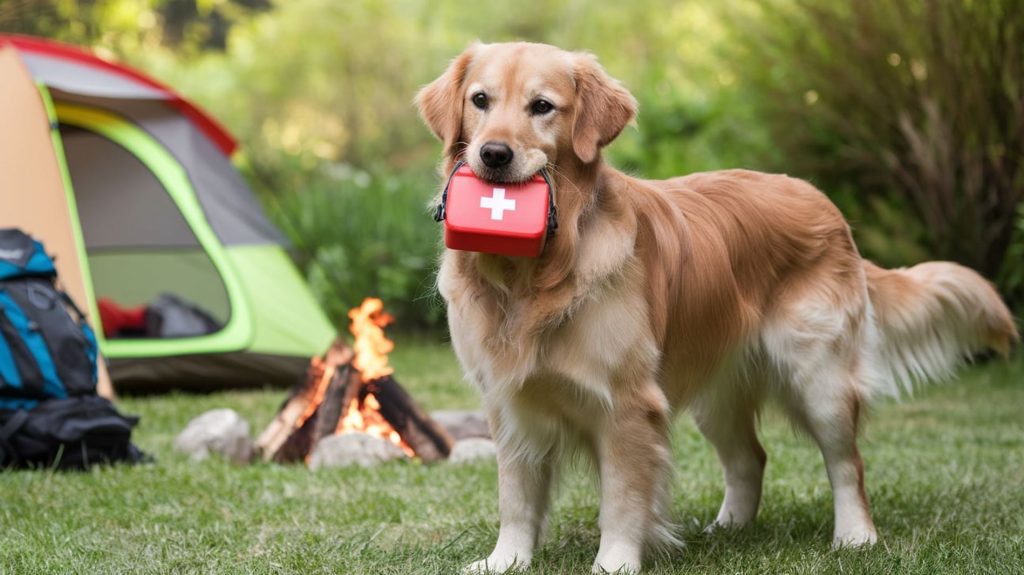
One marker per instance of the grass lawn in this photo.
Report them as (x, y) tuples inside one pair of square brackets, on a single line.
[(945, 475)]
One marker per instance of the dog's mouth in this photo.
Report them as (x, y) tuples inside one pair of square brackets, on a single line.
[(502, 175), (517, 172)]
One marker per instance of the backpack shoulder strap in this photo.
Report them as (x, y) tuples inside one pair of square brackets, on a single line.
[(71, 303)]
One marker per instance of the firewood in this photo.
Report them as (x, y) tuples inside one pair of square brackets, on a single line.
[(283, 425), (344, 385), (316, 405), (429, 440), (299, 399)]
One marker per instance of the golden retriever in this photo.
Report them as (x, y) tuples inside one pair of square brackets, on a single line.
[(707, 292)]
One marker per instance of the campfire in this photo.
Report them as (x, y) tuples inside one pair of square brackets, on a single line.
[(351, 390)]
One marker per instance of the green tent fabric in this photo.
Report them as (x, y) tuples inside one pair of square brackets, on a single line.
[(161, 210)]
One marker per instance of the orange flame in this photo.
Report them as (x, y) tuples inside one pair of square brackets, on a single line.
[(366, 418), (371, 349), (371, 346)]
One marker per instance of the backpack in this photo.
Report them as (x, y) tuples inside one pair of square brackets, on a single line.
[(71, 433), (49, 411)]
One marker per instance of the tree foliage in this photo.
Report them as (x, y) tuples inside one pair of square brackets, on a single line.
[(908, 113), (919, 104)]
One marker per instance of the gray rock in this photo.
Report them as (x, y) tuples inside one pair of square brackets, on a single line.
[(220, 431), (353, 448), (472, 449), (463, 424)]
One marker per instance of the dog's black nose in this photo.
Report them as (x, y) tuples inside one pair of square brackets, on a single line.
[(495, 154)]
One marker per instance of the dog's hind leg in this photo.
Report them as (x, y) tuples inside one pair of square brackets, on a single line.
[(634, 462), (823, 359), (821, 390), (829, 410), (727, 418)]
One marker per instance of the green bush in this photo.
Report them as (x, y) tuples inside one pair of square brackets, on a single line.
[(357, 233), (1011, 277), (917, 104), (909, 113)]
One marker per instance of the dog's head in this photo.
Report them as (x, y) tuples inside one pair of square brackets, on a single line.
[(510, 109)]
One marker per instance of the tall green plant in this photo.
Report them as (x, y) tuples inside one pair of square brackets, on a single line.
[(918, 100), (1011, 277), (358, 233), (319, 93)]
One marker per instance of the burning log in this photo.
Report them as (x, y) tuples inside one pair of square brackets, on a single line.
[(431, 441), (352, 390), (344, 387)]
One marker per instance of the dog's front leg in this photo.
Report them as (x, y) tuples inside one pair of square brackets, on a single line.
[(634, 461), (524, 487)]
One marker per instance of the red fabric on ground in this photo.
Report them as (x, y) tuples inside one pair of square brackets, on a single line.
[(116, 319)]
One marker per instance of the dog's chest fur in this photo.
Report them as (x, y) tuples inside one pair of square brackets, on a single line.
[(573, 340)]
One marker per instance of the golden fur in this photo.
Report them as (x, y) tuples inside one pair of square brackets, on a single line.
[(706, 292)]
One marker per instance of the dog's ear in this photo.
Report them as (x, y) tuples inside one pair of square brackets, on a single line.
[(603, 108), (440, 102)]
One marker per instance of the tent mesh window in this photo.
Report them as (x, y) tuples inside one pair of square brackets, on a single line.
[(139, 244)]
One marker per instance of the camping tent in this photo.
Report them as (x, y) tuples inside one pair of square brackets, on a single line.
[(132, 187)]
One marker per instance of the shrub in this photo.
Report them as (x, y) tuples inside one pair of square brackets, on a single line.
[(357, 233), (1011, 277), (917, 102)]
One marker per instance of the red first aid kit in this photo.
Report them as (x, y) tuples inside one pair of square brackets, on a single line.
[(497, 218)]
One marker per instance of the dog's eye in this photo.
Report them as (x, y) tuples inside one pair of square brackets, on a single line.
[(480, 100), (541, 107)]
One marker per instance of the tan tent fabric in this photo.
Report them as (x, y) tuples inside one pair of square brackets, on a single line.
[(32, 195)]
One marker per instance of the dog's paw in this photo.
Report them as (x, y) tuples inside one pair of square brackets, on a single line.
[(621, 569), (618, 560), (855, 538), (719, 526), (494, 565)]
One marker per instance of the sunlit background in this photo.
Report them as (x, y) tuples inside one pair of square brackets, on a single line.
[(910, 114)]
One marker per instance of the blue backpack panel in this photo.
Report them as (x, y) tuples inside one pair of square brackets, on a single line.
[(47, 350)]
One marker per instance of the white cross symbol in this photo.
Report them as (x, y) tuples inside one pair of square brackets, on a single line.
[(498, 204)]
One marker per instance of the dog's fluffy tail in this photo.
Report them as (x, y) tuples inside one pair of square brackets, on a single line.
[(932, 317)]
